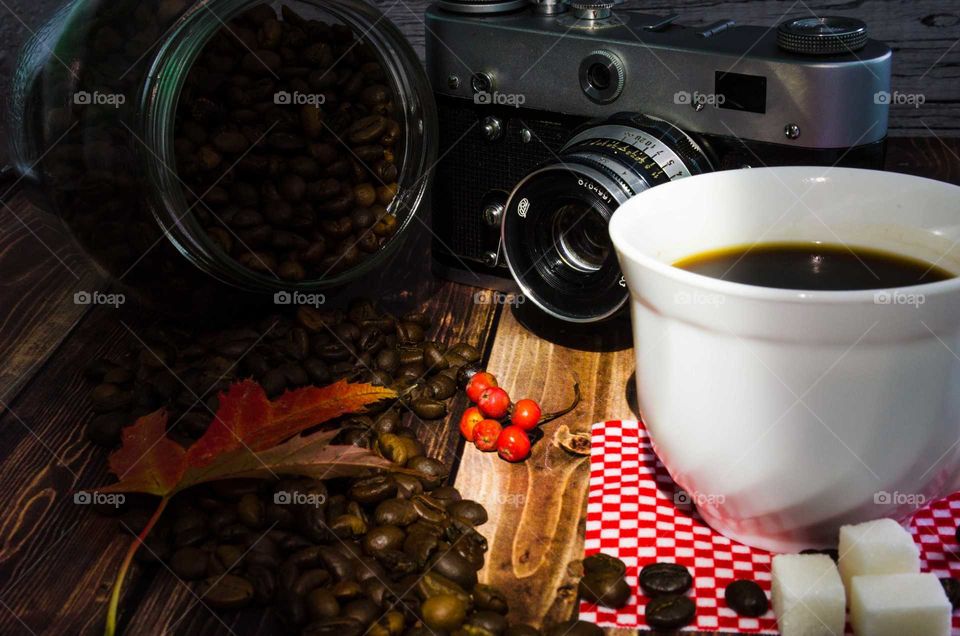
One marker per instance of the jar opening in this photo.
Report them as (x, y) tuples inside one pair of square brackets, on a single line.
[(170, 196)]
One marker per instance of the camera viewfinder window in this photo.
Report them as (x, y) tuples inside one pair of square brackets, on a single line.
[(741, 92)]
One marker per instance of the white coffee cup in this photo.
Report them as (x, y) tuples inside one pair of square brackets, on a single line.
[(782, 413)]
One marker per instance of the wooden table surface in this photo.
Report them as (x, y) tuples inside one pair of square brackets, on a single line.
[(58, 560)]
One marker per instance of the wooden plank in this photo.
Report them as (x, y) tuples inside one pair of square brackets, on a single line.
[(537, 509), (42, 269), (57, 558)]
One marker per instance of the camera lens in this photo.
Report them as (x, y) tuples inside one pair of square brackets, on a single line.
[(554, 233), (580, 232)]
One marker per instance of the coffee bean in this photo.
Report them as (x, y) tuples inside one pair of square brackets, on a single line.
[(658, 579), (469, 511), (189, 563), (321, 603), (431, 472), (601, 563), (444, 612), (110, 397), (669, 612), (226, 592), (104, 430), (429, 409), (334, 627), (466, 351), (489, 598), (442, 387), (457, 569), (395, 512), (251, 511), (374, 489), (951, 587), (746, 598)]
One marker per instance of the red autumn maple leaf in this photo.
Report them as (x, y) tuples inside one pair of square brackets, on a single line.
[(246, 424), (245, 439)]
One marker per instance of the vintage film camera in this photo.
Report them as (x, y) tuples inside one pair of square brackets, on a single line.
[(552, 115)]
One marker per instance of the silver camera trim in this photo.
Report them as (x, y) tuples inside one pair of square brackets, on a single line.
[(830, 100)]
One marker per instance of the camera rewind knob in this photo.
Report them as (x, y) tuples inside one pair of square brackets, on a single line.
[(822, 36), (592, 9)]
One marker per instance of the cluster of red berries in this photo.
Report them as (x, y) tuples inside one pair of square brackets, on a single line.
[(483, 424)]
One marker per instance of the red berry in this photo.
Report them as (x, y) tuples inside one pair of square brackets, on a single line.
[(486, 434), (468, 422), (494, 402), (513, 444), (526, 414), (479, 383)]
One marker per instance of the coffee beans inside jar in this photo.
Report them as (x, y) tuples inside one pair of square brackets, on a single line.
[(288, 133)]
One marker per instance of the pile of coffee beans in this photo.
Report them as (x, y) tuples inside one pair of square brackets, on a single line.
[(387, 554), (184, 371), (287, 130), (667, 584)]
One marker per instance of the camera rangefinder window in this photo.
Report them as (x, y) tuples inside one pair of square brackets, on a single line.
[(736, 91)]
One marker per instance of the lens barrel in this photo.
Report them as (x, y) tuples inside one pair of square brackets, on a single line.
[(554, 232)]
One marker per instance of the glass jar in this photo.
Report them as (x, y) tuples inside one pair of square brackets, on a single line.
[(97, 135)]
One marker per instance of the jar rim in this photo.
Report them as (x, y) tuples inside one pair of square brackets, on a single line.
[(161, 92)]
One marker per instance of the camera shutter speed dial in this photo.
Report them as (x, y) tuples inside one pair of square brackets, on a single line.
[(592, 9), (822, 36), (602, 76)]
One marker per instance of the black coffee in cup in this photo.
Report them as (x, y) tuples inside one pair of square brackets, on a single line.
[(813, 266)]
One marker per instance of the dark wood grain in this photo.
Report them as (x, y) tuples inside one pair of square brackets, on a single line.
[(924, 35), (537, 509), (42, 270), (57, 558)]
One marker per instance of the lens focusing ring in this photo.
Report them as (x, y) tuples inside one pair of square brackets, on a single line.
[(572, 273), (535, 256)]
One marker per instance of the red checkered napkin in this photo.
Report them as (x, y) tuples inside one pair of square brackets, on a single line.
[(634, 512)]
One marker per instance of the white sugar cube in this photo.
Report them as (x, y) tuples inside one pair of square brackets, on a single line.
[(899, 605), (876, 547), (808, 595)]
